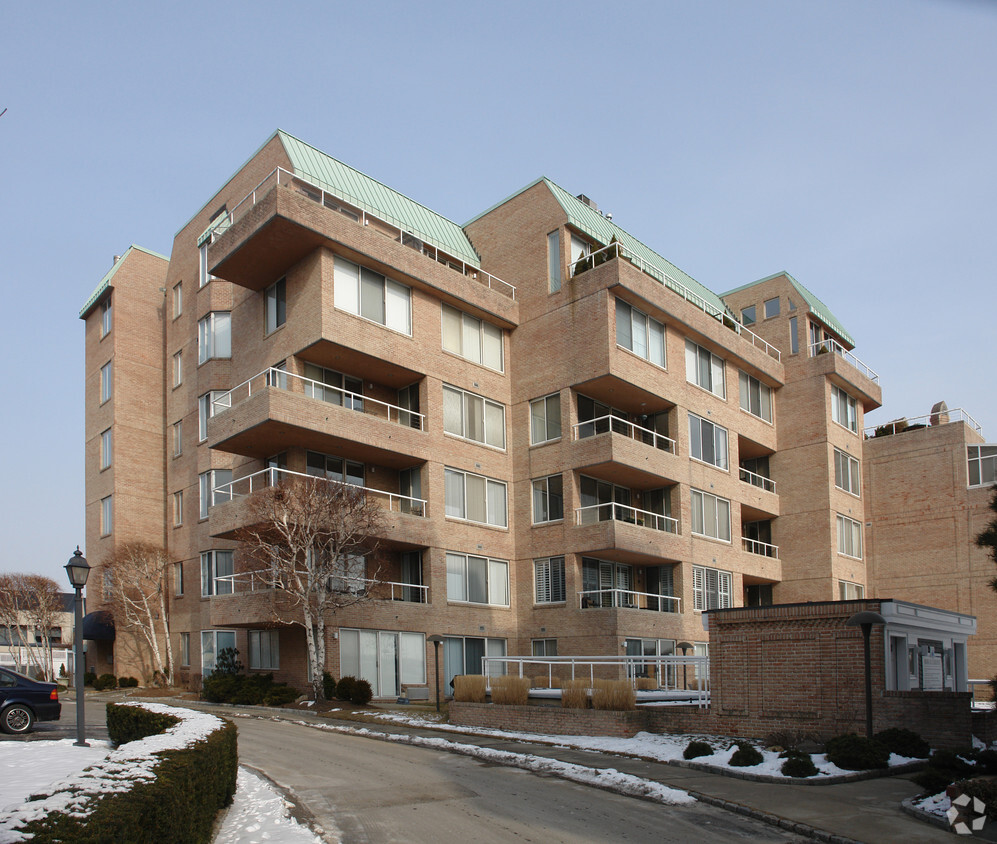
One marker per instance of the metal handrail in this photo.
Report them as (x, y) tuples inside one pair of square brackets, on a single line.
[(763, 549), (279, 379), (931, 420), (836, 347), (755, 479), (421, 590), (632, 515), (609, 422), (329, 199), (627, 599)]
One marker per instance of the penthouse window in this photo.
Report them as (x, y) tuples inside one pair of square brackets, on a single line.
[(475, 498), (849, 537), (756, 397), (275, 306), (548, 499), (216, 573), (640, 334), (477, 580), (705, 369), (545, 419), (710, 589), (707, 442), (473, 339), (372, 296), (710, 515), (548, 579), (214, 336), (473, 417), (846, 472), (843, 409)]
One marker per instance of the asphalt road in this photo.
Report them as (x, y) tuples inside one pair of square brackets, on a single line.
[(95, 716)]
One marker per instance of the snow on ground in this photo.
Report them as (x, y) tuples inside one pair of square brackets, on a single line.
[(30, 767), (934, 804), (259, 814)]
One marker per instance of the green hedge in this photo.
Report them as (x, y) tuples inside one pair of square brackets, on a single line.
[(179, 806), (131, 723)]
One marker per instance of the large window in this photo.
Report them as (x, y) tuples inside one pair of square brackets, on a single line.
[(846, 472), (849, 537), (216, 572), (545, 419), (548, 579), (473, 339), (710, 588), (477, 580), (475, 498), (548, 499), (334, 468), (207, 407), (106, 378), (106, 515), (554, 260), (105, 317), (210, 495), (606, 584), (106, 449), (463, 655), (756, 397), (843, 409), (264, 649), (333, 387), (544, 647), (771, 307), (387, 659), (372, 296), (850, 591), (710, 515), (982, 464), (212, 643), (473, 417), (707, 442), (639, 333), (214, 336), (275, 309), (704, 368)]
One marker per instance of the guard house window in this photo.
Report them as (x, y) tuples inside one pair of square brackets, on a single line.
[(771, 307), (707, 442), (846, 472), (106, 515), (473, 339), (216, 573), (215, 487), (710, 589), (475, 498), (704, 369), (264, 650), (843, 409), (275, 306), (640, 334), (548, 579), (106, 378), (756, 397), (850, 591), (548, 499), (849, 537), (106, 448), (545, 419), (554, 261), (473, 417), (748, 315), (710, 515), (372, 296), (105, 317), (982, 464), (477, 580), (214, 336)]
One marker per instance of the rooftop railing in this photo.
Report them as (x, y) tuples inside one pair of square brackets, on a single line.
[(604, 424), (624, 513), (628, 599), (827, 346), (384, 590), (313, 189), (763, 549), (757, 480), (929, 420)]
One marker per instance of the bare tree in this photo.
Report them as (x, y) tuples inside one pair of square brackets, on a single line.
[(13, 598), (138, 581), (43, 606), (310, 541), (29, 608)]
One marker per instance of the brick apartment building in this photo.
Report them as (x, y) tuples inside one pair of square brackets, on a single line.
[(578, 447)]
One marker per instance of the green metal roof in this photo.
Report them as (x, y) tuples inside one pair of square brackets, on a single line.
[(816, 306), (105, 282), (378, 199)]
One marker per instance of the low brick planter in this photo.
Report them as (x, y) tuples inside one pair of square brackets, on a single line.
[(549, 720)]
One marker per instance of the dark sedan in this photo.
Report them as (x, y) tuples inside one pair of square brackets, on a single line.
[(24, 701)]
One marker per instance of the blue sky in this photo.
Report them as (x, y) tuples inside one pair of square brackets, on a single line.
[(849, 143)]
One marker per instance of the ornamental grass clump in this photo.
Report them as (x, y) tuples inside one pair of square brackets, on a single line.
[(511, 691), (574, 694), (615, 695), (542, 681), (469, 688), (746, 755), (647, 684)]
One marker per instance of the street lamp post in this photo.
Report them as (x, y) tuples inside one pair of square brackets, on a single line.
[(865, 620), (78, 570), (436, 638)]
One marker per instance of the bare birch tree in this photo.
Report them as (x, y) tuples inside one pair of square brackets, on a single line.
[(29, 608), (13, 597), (310, 542), (43, 606), (139, 572)]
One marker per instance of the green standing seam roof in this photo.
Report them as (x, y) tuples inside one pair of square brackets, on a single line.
[(373, 196), (105, 282), (817, 307)]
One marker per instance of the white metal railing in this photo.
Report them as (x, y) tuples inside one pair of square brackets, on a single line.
[(763, 549), (614, 250), (628, 599), (755, 479), (313, 189), (931, 420), (840, 351), (282, 380), (673, 672), (604, 424), (252, 581), (623, 513), (249, 484)]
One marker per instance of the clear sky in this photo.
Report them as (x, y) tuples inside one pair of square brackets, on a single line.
[(852, 144)]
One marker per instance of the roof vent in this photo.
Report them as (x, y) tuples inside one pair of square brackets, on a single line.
[(589, 202), (116, 259)]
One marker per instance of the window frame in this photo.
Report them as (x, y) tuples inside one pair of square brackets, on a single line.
[(749, 315), (210, 587), (107, 382), (106, 319), (774, 311), (623, 310), (842, 401), (275, 306), (214, 337), (547, 497), (695, 357), (458, 568), (721, 455), (845, 587), (976, 461), (106, 448), (185, 650), (178, 580), (485, 331), (178, 438), (549, 580), (449, 472), (207, 481), (554, 261), (704, 597), (702, 516), (847, 473), (850, 534), (543, 647), (270, 661), (107, 515), (178, 508), (177, 299), (206, 410), (745, 385), (213, 635), (348, 295), (547, 401), (466, 398), (177, 369)]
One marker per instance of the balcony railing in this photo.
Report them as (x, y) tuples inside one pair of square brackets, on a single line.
[(623, 513), (826, 346), (604, 424), (383, 590), (628, 599), (763, 549), (281, 380), (313, 189), (755, 479), (249, 484), (932, 420), (618, 250)]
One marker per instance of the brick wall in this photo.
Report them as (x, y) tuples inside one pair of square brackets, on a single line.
[(549, 720)]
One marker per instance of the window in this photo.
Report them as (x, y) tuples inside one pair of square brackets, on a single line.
[(178, 579), (216, 573), (106, 515), (473, 339), (548, 499), (463, 655), (579, 249), (475, 498), (333, 387), (705, 369), (105, 381), (710, 515), (276, 306), (707, 442), (606, 584), (639, 333), (210, 494), (106, 449), (264, 651), (748, 315), (603, 501), (212, 643), (545, 647), (554, 261), (846, 472), (178, 508), (203, 275), (710, 589), (771, 307), (105, 317), (756, 397), (387, 659), (372, 296), (207, 406), (548, 579), (185, 650), (178, 369), (177, 299), (843, 409), (794, 337), (849, 537), (850, 591), (333, 468), (477, 580), (214, 336), (178, 438), (545, 419), (473, 417), (982, 464)]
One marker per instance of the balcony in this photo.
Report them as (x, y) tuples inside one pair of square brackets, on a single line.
[(623, 513), (759, 481), (825, 346), (930, 420), (616, 425), (616, 450), (762, 549), (628, 599), (829, 358)]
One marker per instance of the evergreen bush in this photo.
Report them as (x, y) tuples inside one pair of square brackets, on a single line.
[(127, 682), (856, 753), (105, 681), (328, 685), (131, 723), (362, 693), (695, 749), (903, 743), (89, 678), (746, 755), (799, 765), (344, 688)]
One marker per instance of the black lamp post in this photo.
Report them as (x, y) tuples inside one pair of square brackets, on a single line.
[(865, 620), (436, 638), (78, 570), (684, 646)]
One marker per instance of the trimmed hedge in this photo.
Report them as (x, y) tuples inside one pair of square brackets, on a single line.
[(246, 689), (127, 682), (132, 723), (799, 765)]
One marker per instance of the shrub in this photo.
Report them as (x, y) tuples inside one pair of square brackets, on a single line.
[(983, 789), (246, 689), (944, 767), (856, 753), (131, 723), (469, 687), (790, 739), (695, 749), (344, 688), (903, 742), (615, 695), (513, 691), (799, 765), (89, 678), (227, 661), (127, 683), (62, 670), (279, 694), (105, 681), (328, 685), (987, 759), (746, 755), (362, 693), (574, 694)]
